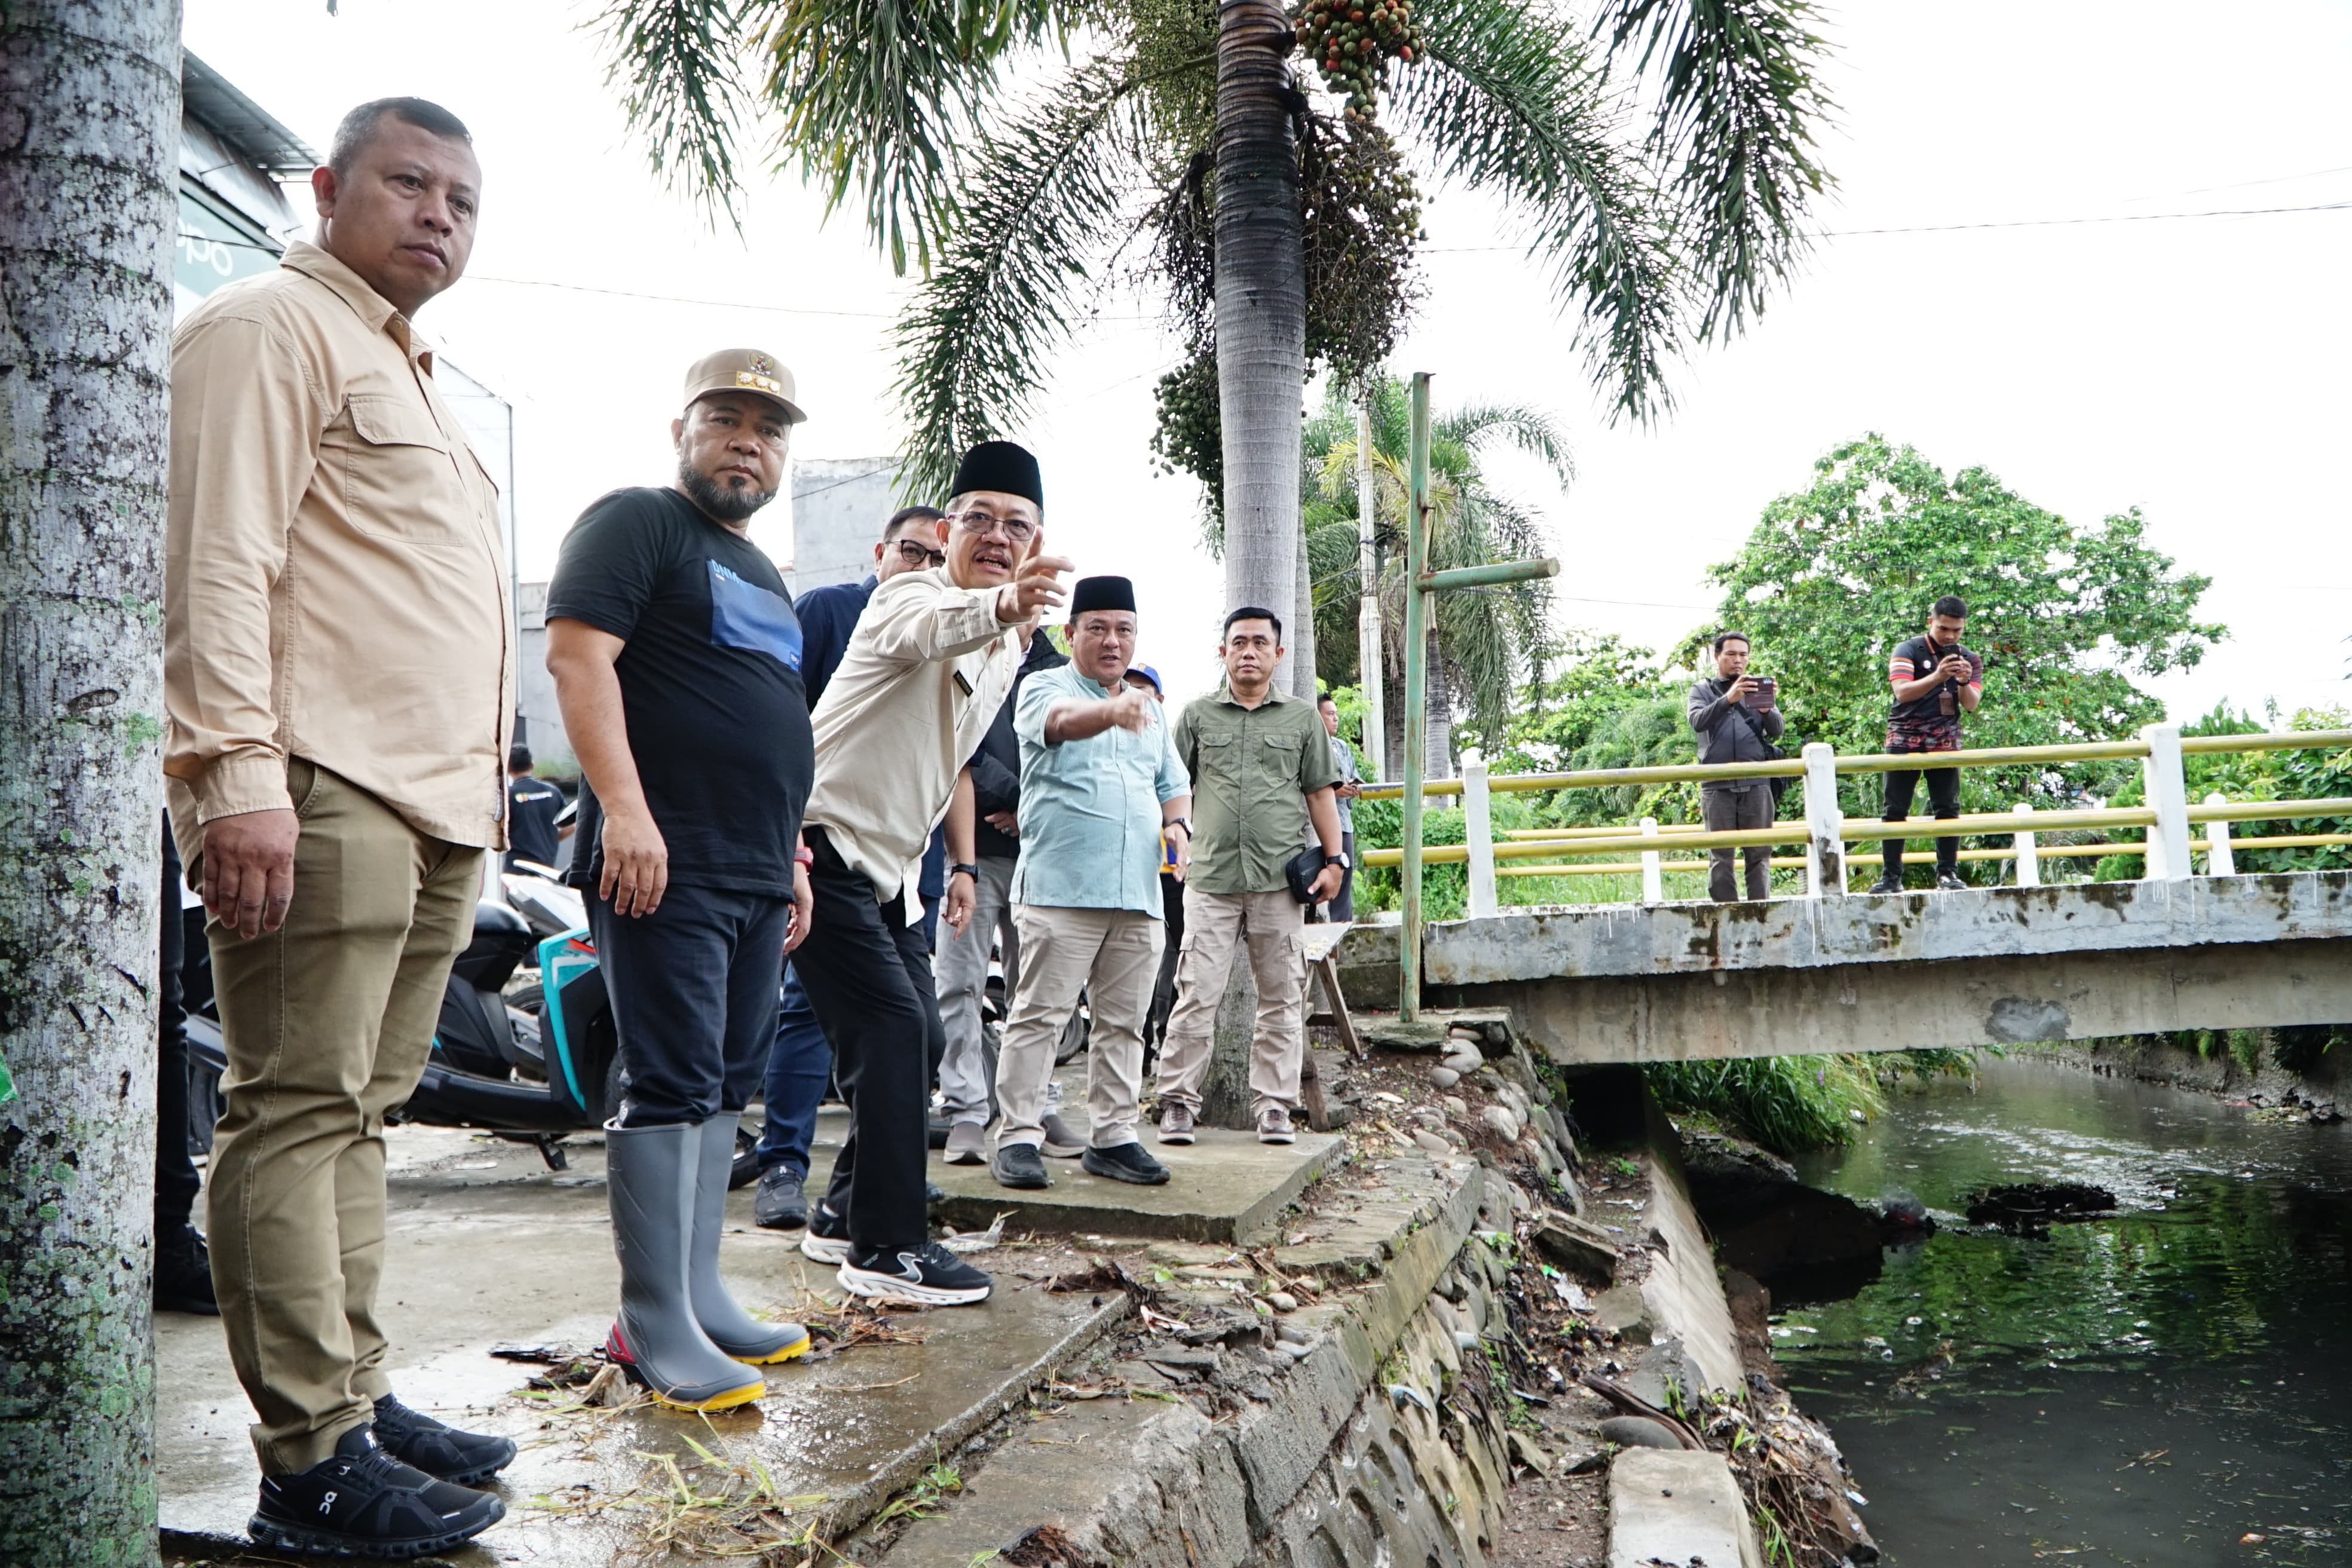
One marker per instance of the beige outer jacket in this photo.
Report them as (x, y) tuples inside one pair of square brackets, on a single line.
[(919, 684), (335, 577)]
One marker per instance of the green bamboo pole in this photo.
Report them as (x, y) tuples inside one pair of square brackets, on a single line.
[(1416, 702), (1489, 575)]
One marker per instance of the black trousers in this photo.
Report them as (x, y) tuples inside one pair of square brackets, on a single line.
[(694, 999), (867, 973), (175, 1168), (1943, 796)]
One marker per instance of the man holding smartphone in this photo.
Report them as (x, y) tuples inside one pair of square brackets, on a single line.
[(1737, 719), (1935, 680)]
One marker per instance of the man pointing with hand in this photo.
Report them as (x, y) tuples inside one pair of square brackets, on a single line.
[(923, 677)]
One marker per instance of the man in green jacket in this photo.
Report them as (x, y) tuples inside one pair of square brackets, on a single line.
[(1262, 781)]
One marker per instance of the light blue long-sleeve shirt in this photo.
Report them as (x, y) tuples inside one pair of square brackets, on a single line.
[(1091, 808)]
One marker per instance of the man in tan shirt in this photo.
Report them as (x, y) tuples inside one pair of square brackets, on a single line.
[(338, 682), (922, 678)]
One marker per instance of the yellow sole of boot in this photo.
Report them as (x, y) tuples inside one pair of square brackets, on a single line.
[(727, 1401), (790, 1351)]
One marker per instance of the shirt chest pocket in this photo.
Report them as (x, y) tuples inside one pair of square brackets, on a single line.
[(401, 477), (1277, 758)]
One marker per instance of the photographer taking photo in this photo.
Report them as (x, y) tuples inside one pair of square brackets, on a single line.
[(1737, 719), (1936, 680)]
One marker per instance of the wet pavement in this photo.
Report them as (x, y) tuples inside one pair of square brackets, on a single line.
[(487, 1248)]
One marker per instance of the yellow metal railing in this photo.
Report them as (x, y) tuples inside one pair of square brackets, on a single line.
[(1927, 857), (1884, 762)]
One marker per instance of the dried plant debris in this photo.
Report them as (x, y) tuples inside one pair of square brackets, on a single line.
[(1043, 1546), (2029, 1208)]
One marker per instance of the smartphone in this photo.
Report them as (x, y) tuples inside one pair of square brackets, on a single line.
[(1760, 697)]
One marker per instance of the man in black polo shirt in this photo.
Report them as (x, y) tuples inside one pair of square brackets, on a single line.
[(532, 807), (676, 656), (1934, 681)]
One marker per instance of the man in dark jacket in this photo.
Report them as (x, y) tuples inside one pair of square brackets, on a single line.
[(1737, 722), (967, 1069), (800, 1064)]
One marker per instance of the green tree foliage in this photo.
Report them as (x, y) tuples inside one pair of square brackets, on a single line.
[(2320, 774), (2067, 617)]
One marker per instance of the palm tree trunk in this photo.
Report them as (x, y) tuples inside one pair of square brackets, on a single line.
[(90, 95), (1438, 761), (1302, 641), (1261, 312)]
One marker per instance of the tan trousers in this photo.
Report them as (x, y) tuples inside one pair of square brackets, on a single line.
[(1217, 927), (1114, 956), (326, 1022)]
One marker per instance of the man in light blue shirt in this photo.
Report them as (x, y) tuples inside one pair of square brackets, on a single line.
[(1100, 788)]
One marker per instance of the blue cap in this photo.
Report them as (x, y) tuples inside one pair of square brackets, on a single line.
[(1149, 674)]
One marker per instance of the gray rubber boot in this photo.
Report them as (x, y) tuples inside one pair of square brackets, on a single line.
[(734, 1330), (651, 1174)]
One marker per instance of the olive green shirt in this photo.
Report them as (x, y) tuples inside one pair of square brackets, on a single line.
[(1252, 771)]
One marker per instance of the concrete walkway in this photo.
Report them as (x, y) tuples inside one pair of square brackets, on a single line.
[(487, 1248)]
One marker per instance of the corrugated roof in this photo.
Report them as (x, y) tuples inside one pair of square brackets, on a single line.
[(251, 132)]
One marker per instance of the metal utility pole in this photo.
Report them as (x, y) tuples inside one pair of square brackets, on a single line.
[(1419, 584), (1370, 671)]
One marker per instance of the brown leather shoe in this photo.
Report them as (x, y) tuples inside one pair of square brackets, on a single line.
[(1176, 1123), (1274, 1126)]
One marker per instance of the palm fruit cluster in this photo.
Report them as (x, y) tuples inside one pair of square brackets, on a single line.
[(1349, 39)]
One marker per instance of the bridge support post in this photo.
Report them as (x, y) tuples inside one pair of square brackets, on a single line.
[(2220, 859), (1824, 849), (1653, 877), (2028, 859), (1478, 832), (2166, 789)]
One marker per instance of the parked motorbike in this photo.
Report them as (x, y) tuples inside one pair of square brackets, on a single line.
[(530, 1068)]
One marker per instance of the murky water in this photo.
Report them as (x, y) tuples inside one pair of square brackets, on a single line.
[(2168, 1386)]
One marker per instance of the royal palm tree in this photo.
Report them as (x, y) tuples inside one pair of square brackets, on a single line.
[(90, 95), (1283, 232)]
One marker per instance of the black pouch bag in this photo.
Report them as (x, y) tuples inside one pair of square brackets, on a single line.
[(1300, 871)]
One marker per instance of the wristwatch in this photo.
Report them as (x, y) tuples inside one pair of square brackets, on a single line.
[(1340, 860), (971, 872), (1183, 822)]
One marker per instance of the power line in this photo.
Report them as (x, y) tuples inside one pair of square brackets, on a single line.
[(2013, 223)]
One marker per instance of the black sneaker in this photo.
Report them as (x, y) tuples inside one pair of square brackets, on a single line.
[(930, 1275), (1950, 881), (827, 1240), (416, 1440), (1887, 885), (1019, 1165), (183, 1273), (779, 1205), (1125, 1162), (364, 1502)]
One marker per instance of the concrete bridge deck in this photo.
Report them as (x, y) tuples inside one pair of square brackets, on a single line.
[(1984, 966)]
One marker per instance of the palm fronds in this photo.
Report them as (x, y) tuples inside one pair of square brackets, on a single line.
[(1038, 205), (1510, 104), (1740, 95), (673, 63), (879, 93)]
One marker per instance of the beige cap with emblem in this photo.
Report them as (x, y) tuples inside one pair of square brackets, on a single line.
[(743, 370)]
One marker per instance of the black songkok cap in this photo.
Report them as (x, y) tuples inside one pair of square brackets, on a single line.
[(1102, 593), (1001, 466)]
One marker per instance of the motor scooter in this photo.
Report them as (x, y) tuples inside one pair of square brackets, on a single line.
[(528, 1073)]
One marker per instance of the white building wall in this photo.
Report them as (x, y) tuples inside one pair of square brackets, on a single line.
[(839, 506)]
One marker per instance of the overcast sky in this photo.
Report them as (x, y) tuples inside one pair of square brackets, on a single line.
[(2194, 368)]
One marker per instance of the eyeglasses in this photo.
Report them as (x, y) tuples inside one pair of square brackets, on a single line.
[(919, 555), (1020, 530)]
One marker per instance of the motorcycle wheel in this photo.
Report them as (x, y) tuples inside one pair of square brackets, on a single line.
[(746, 1169)]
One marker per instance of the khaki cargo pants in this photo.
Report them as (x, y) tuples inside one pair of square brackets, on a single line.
[(1112, 955), (326, 1022), (1217, 928)]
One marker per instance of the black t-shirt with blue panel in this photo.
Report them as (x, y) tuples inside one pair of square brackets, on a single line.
[(710, 687)]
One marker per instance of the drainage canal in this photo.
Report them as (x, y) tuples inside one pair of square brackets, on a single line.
[(2169, 1384)]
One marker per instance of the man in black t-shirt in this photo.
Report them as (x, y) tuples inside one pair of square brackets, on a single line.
[(531, 808), (676, 656), (1935, 680)]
